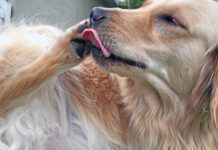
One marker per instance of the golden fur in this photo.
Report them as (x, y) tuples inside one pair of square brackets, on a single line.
[(171, 104)]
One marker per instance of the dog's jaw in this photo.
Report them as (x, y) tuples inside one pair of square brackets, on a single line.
[(106, 55)]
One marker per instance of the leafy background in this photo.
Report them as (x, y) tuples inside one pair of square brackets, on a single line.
[(130, 3), (125, 3)]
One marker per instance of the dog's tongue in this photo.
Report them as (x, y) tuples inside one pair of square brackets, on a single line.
[(92, 35)]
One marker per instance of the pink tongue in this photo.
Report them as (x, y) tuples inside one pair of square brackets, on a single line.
[(92, 35)]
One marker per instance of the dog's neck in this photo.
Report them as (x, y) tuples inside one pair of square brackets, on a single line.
[(155, 110), (152, 101), (158, 99)]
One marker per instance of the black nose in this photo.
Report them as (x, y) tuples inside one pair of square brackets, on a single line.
[(98, 15)]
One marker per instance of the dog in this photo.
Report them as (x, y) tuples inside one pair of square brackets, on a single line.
[(149, 85)]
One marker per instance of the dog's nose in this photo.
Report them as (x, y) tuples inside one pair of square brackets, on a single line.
[(98, 14)]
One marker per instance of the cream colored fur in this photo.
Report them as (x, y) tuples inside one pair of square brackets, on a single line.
[(50, 99)]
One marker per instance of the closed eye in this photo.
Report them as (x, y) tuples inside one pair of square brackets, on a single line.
[(170, 21)]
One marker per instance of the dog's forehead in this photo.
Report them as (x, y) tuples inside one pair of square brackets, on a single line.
[(180, 2), (192, 8), (198, 15)]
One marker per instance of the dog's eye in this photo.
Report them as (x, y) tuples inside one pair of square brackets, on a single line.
[(170, 20)]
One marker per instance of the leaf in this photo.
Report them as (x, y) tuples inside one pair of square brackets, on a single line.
[(130, 3)]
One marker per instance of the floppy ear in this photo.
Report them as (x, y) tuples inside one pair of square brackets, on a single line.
[(214, 108), (207, 85), (214, 93)]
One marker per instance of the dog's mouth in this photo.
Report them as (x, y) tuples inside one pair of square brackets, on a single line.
[(101, 53)]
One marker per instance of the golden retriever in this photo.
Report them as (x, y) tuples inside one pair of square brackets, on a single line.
[(161, 93)]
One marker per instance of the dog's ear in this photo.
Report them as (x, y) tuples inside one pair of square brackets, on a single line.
[(214, 108), (214, 92), (207, 85)]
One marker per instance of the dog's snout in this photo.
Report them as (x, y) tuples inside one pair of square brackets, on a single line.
[(98, 15)]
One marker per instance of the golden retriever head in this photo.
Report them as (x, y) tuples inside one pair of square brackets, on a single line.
[(163, 43)]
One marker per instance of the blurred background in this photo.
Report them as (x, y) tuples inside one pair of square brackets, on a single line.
[(61, 13)]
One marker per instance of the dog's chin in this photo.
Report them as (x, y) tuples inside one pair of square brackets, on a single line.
[(114, 61)]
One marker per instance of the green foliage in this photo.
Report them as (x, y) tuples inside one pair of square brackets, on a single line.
[(130, 3)]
